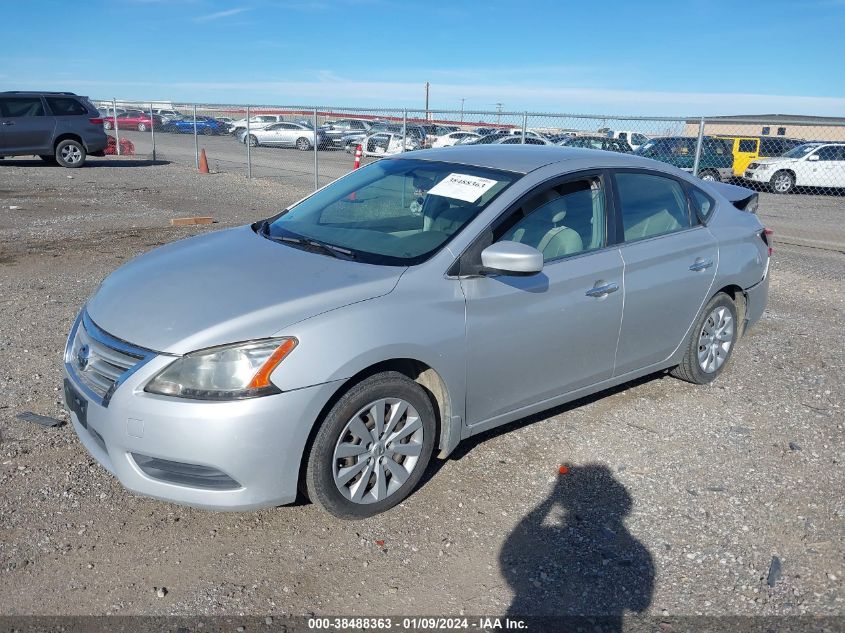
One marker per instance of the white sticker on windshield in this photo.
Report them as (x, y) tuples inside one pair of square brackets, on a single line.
[(462, 187)]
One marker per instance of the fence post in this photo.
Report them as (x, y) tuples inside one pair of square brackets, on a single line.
[(698, 145), (246, 142), (524, 125), (316, 164), (404, 128), (114, 117), (153, 131), (196, 138)]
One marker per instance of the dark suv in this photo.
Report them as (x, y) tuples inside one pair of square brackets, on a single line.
[(60, 127)]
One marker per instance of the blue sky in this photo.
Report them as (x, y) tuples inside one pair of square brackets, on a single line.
[(644, 57)]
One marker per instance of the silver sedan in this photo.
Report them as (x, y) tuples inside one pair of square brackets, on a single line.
[(339, 345), (285, 134)]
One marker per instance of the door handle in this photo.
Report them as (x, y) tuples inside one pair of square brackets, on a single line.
[(8, 122), (602, 289), (701, 264)]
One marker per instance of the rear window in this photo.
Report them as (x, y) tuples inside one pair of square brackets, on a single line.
[(63, 106)]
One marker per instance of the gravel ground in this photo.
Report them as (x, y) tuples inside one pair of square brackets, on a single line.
[(676, 500)]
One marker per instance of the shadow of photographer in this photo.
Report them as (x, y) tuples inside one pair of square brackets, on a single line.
[(573, 556)]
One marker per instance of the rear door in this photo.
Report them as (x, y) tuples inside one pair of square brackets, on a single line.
[(670, 262), (26, 126), (829, 169)]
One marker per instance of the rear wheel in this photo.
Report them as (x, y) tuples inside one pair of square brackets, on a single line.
[(782, 182), (107, 125), (207, 131), (303, 144), (142, 127), (252, 140), (70, 153), (372, 448), (711, 342), (708, 175)]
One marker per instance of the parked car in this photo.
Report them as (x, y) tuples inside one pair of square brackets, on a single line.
[(808, 165), (205, 125), (489, 139), (284, 134), (342, 343), (516, 139), (748, 148), (110, 112), (336, 130), (633, 139), (134, 120), (453, 138), (351, 141), (388, 143), (60, 127), (606, 143), (168, 115), (715, 162), (256, 122), (483, 131)]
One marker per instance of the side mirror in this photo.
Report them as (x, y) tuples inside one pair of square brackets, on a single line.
[(813, 157), (511, 258)]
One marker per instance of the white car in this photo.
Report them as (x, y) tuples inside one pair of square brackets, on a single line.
[(808, 165), (169, 115), (285, 134), (257, 122), (516, 139), (453, 138), (634, 139), (387, 144)]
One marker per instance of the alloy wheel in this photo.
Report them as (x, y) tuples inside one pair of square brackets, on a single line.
[(71, 154), (715, 339), (377, 450), (782, 183)]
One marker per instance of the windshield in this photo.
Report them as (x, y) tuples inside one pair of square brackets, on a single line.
[(395, 212), (801, 150)]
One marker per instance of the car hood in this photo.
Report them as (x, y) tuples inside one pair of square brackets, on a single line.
[(775, 159), (225, 287)]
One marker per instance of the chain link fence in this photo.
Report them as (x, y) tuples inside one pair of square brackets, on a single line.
[(312, 146)]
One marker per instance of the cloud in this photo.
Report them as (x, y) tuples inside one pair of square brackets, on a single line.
[(219, 15)]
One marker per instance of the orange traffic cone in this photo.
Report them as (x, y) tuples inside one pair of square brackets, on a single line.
[(203, 162), (358, 151)]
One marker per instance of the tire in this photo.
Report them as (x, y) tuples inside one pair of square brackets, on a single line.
[(711, 342), (389, 477), (107, 125), (49, 159), (303, 144), (782, 182), (142, 127), (252, 140), (207, 131), (708, 175), (70, 153)]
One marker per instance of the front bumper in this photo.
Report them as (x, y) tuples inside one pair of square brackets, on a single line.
[(258, 443), (757, 175)]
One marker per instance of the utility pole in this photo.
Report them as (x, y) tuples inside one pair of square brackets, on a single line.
[(462, 110), (426, 101), (499, 107)]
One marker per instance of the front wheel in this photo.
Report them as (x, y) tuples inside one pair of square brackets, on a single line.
[(251, 140), (107, 125), (711, 342), (70, 153), (782, 182), (207, 131), (372, 448), (708, 175), (303, 144), (142, 127)]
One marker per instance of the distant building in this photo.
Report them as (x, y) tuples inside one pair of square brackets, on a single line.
[(809, 128)]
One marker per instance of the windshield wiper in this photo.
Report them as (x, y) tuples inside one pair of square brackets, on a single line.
[(327, 249)]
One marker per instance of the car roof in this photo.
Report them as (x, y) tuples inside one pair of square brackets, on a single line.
[(524, 158)]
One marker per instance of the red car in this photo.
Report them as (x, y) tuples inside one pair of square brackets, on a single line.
[(133, 120)]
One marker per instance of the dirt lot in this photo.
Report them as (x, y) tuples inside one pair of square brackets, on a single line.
[(677, 499)]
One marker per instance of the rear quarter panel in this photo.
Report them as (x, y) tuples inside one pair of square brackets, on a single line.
[(742, 254)]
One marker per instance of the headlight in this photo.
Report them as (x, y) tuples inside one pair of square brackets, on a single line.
[(230, 372)]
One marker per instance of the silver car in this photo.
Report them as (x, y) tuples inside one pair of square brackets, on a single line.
[(285, 134), (427, 297)]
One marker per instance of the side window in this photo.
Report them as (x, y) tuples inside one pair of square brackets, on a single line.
[(21, 106), (62, 106), (564, 220), (828, 152), (715, 146), (748, 145), (703, 203), (623, 136), (651, 205), (638, 139)]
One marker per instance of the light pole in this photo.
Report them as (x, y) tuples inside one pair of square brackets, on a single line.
[(499, 107), (462, 110)]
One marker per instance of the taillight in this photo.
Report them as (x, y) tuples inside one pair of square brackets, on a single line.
[(765, 236), (96, 121)]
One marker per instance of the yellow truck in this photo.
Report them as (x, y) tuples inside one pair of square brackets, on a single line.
[(747, 148)]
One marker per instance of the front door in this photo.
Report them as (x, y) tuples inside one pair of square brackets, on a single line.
[(530, 339), (745, 151), (670, 263)]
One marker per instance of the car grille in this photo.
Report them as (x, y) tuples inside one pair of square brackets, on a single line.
[(99, 361)]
